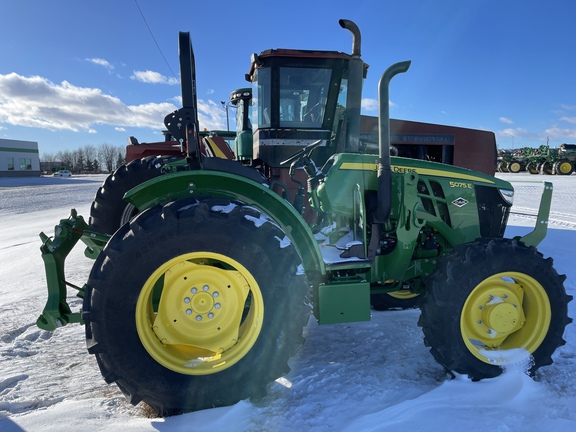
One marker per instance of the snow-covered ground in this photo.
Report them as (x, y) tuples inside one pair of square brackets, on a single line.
[(374, 376)]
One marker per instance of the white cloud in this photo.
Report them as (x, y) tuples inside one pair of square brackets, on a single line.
[(101, 62), (506, 120), (560, 134), (211, 115), (152, 77), (569, 119), (369, 104), (37, 102), (517, 132)]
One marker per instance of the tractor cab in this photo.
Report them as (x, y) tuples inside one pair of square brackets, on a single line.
[(299, 97)]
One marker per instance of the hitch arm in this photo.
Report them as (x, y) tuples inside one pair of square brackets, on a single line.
[(57, 312)]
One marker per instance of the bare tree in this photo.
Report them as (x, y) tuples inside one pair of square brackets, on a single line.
[(107, 155), (49, 157), (66, 158), (104, 157), (79, 161), (90, 153), (120, 159)]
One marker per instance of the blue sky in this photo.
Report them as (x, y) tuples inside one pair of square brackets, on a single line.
[(74, 72)]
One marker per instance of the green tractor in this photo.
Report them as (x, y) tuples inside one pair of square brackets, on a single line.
[(518, 160), (200, 300), (566, 162), (502, 160)]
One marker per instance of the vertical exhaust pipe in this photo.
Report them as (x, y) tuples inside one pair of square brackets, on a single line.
[(354, 94), (356, 38), (183, 123), (384, 171)]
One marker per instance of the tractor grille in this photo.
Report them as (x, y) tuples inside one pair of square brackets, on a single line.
[(493, 211), (433, 200)]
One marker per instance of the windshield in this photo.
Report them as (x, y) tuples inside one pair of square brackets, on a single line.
[(295, 99), (303, 94)]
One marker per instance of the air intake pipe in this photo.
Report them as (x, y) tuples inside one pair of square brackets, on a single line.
[(384, 171)]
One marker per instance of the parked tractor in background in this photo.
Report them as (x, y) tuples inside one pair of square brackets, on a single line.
[(513, 161), (542, 160), (566, 163), (200, 300)]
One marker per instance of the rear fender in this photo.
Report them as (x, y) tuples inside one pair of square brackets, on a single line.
[(220, 184)]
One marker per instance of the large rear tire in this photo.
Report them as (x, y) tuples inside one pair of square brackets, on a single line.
[(109, 211), (532, 168), (489, 300), (514, 167), (195, 304), (563, 167), (546, 168)]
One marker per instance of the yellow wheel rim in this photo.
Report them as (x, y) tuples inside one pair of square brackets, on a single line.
[(565, 167), (199, 313), (505, 312), (402, 294)]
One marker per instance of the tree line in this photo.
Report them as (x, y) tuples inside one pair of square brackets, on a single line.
[(87, 159)]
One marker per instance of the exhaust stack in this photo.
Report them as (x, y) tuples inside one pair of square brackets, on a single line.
[(183, 123), (354, 95), (384, 171)]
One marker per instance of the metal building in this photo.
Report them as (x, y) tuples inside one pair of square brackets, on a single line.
[(19, 158)]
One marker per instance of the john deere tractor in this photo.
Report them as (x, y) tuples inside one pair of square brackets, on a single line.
[(200, 300)]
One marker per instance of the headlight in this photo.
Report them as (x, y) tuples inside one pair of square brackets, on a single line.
[(507, 195)]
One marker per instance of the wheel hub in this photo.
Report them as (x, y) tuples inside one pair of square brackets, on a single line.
[(201, 303), (501, 317), (494, 312), (192, 310)]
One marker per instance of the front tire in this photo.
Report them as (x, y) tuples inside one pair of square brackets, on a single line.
[(195, 304), (489, 299), (396, 300)]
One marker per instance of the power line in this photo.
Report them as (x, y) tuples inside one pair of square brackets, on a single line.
[(152, 34)]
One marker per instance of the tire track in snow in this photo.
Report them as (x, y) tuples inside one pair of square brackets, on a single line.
[(556, 219)]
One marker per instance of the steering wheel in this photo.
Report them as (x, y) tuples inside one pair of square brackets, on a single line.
[(303, 152)]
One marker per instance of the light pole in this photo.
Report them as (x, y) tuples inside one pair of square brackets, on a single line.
[(506, 133), (225, 106)]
